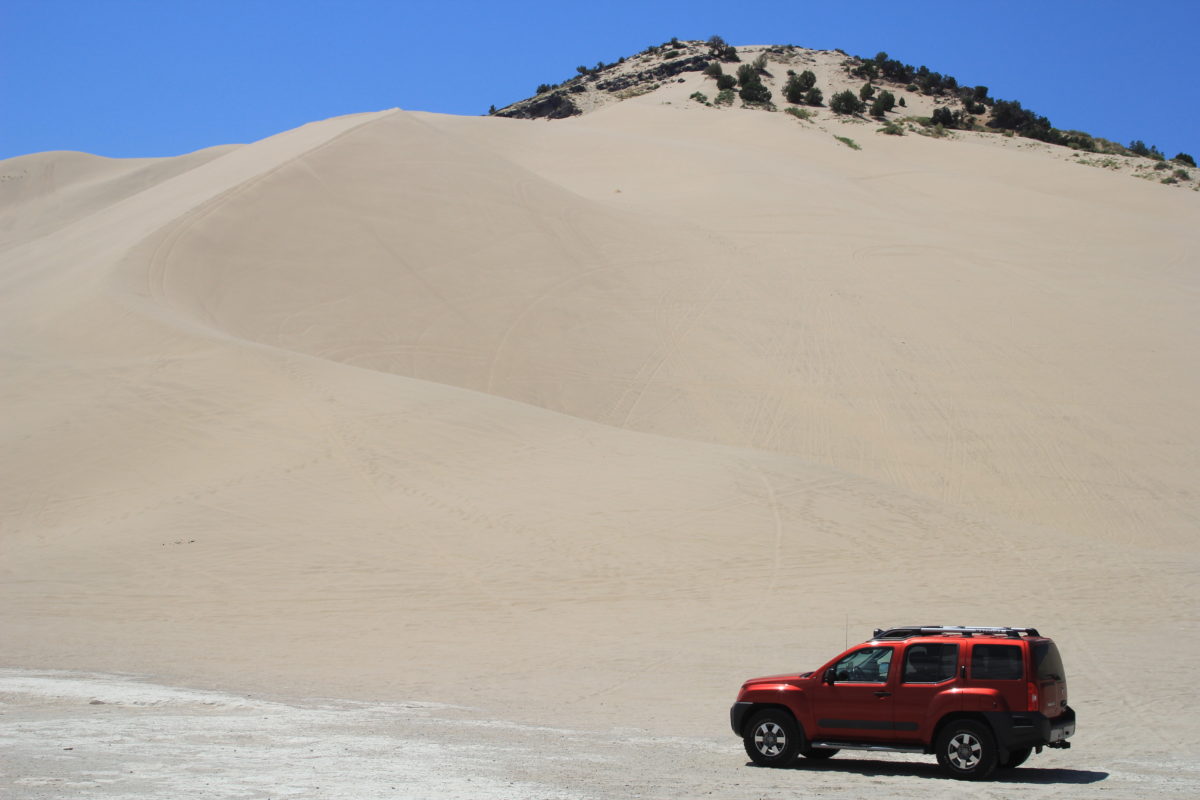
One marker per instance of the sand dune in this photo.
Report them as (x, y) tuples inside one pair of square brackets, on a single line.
[(45, 191), (537, 417)]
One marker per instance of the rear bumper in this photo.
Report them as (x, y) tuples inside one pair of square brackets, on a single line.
[(1018, 730)]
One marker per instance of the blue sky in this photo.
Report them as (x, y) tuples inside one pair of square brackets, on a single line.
[(162, 77)]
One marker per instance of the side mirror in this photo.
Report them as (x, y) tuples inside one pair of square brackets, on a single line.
[(829, 675)]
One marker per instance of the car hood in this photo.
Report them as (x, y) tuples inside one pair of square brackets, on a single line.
[(790, 677)]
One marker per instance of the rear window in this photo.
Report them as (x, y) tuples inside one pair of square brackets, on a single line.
[(1048, 662), (996, 662)]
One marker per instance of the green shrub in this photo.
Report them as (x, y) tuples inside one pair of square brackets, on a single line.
[(1184, 158), (846, 140), (755, 92), (1182, 174), (892, 129), (726, 82), (722, 50), (799, 113), (1169, 180), (867, 70), (1140, 148), (1007, 115), (846, 103), (797, 85), (746, 73), (928, 128), (791, 89), (699, 97), (882, 104), (944, 117), (713, 70), (866, 92), (901, 103), (814, 97), (724, 97), (1161, 165), (1078, 140)]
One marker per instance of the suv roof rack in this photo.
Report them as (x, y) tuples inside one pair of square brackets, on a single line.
[(909, 631)]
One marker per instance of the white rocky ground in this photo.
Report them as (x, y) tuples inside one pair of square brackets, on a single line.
[(82, 736)]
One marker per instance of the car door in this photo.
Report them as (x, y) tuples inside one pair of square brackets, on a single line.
[(853, 700), (926, 690)]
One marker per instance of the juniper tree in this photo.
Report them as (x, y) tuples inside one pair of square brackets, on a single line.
[(884, 103), (846, 103)]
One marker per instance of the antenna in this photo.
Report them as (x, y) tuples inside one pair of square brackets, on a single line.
[(846, 632)]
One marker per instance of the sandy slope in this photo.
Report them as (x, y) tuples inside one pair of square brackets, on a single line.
[(582, 423)]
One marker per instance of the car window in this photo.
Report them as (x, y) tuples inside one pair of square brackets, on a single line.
[(996, 662), (867, 665), (1048, 662), (930, 663)]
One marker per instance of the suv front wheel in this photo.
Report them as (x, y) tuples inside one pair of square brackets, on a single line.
[(966, 750), (772, 738)]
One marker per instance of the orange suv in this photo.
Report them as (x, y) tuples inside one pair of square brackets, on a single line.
[(977, 698)]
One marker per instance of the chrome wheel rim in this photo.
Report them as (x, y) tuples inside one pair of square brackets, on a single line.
[(964, 751), (770, 739)]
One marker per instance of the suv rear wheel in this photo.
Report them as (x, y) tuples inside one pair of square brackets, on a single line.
[(772, 738), (966, 750)]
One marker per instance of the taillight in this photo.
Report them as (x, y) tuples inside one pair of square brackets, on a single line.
[(1034, 699)]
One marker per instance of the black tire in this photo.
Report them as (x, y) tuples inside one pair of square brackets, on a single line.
[(966, 750), (772, 738), (819, 753), (1016, 758)]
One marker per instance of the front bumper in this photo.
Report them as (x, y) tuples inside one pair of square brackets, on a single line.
[(737, 715)]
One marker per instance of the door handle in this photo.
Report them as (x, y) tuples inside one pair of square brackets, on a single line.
[(882, 694)]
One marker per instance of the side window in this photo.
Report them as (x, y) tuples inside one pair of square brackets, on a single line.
[(930, 663), (996, 662), (868, 665)]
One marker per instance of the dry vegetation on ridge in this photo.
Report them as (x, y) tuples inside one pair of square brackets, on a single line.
[(918, 100)]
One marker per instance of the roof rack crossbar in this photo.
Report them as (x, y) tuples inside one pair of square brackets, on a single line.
[(909, 631)]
